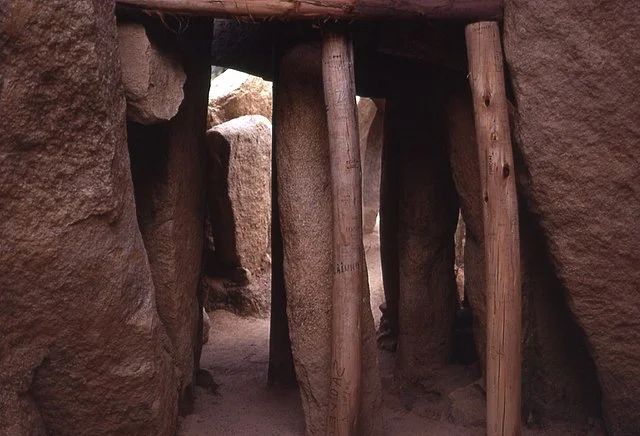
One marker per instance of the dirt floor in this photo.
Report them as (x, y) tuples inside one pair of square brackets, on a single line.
[(237, 356)]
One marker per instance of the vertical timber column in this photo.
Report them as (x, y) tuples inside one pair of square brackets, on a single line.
[(502, 241), (348, 250)]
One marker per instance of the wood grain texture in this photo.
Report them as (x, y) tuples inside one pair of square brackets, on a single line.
[(502, 241), (348, 250), (336, 9)]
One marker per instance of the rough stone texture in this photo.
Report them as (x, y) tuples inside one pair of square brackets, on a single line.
[(427, 211), (82, 349), (152, 78), (168, 176), (234, 94), (250, 300), (468, 406), (239, 190), (304, 199), (575, 77), (559, 381), (281, 371), (370, 125)]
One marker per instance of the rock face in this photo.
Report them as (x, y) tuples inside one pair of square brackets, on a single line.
[(370, 124), (427, 213), (234, 94), (239, 190), (152, 78), (168, 175), (575, 79), (81, 337), (304, 198)]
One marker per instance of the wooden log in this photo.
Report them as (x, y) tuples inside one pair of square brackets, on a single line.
[(502, 241), (335, 9), (348, 249)]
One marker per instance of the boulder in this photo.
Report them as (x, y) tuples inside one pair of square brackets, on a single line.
[(153, 78), (250, 300), (427, 214), (239, 191), (168, 175), (305, 208), (234, 94), (370, 124), (82, 349), (468, 406), (574, 70)]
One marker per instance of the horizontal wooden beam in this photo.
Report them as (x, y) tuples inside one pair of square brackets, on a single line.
[(329, 9)]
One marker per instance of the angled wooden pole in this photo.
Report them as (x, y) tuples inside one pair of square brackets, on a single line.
[(348, 249), (501, 237), (334, 9)]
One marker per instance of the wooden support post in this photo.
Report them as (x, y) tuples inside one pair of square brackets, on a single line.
[(348, 250), (502, 241), (334, 9)]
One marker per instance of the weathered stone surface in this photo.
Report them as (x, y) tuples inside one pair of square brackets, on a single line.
[(575, 78), (82, 350), (153, 78), (250, 300), (168, 175), (427, 213), (467, 406), (304, 198), (234, 94), (559, 381), (370, 125), (239, 190)]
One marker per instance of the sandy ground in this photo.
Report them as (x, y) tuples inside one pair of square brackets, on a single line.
[(237, 357)]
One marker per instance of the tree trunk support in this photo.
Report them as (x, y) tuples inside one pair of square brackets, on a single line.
[(348, 250), (332, 9), (502, 241)]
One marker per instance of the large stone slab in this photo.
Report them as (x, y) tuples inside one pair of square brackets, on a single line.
[(82, 349), (153, 77), (574, 71), (239, 190), (234, 94), (167, 163), (305, 207), (423, 195)]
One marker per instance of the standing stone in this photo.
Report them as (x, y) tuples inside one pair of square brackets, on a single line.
[(370, 123), (559, 380), (152, 78), (168, 176), (575, 80), (427, 215), (239, 190), (281, 370), (82, 350), (234, 94), (305, 216)]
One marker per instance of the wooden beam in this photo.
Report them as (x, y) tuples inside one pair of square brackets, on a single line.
[(330, 9), (501, 237), (348, 250)]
